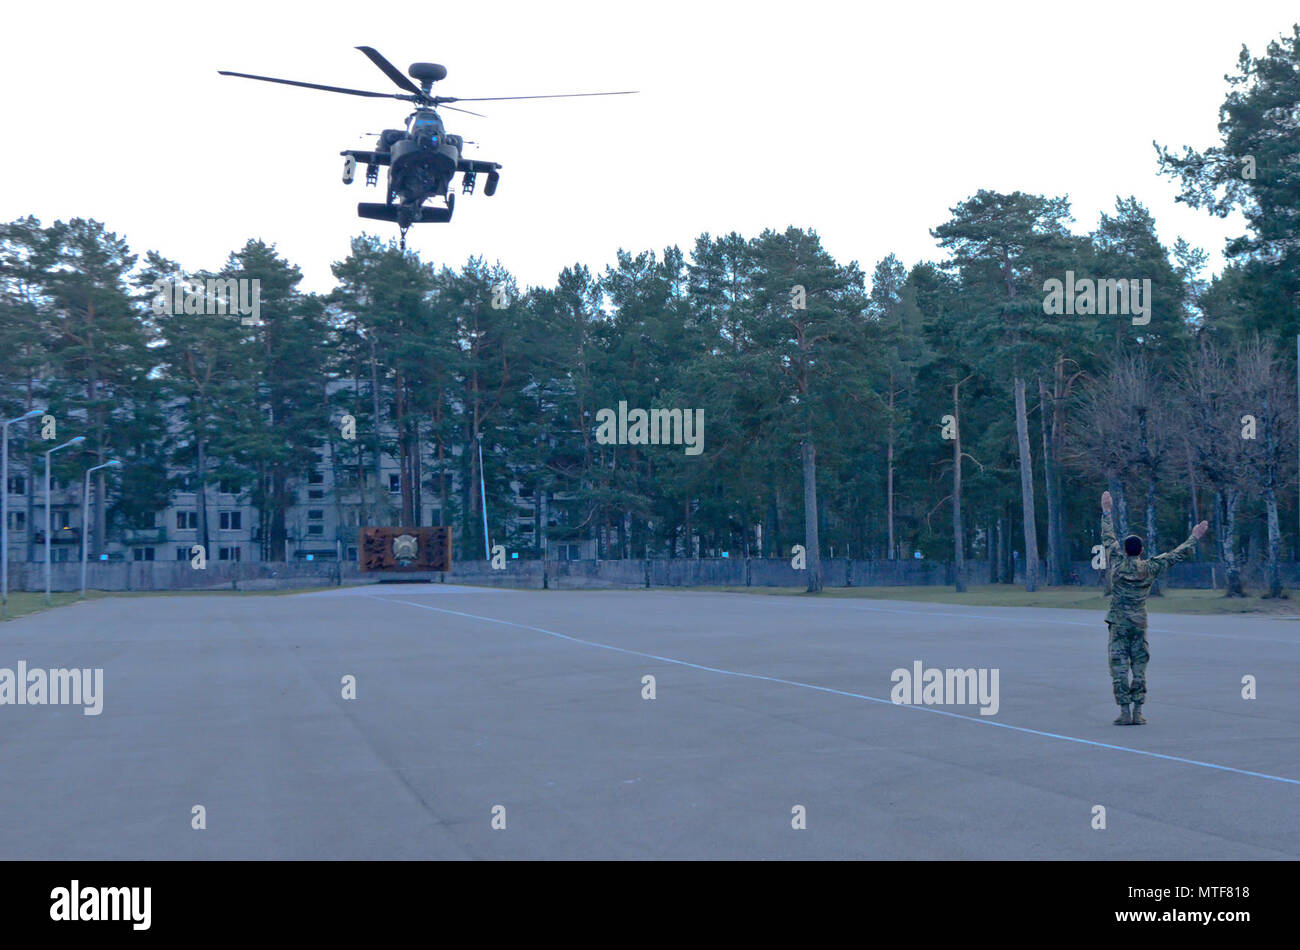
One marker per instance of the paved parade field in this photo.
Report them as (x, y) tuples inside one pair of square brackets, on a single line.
[(468, 699)]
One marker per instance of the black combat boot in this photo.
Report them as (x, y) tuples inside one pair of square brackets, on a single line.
[(1125, 717)]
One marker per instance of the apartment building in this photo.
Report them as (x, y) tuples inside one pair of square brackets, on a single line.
[(330, 505)]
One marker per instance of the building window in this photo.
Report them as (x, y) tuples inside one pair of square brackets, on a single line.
[(316, 478), (228, 554), (182, 554), (316, 529), (187, 520), (352, 554), (316, 514), (60, 520), (395, 484), (230, 486), (17, 484), (231, 520), (142, 554), (315, 494)]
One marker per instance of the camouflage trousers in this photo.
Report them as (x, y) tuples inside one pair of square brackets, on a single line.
[(1128, 652)]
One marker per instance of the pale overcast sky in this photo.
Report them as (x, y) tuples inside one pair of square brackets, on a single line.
[(865, 121)]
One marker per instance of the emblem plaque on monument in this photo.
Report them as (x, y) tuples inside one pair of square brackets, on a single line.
[(405, 549)]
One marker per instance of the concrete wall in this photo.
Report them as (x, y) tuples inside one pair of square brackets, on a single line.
[(576, 575)]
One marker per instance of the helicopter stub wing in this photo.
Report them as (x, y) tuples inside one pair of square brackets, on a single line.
[(472, 165), (369, 158)]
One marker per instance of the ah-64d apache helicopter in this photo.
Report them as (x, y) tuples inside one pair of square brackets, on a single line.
[(423, 159)]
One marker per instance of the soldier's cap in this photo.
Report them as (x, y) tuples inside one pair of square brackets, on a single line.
[(1132, 545)]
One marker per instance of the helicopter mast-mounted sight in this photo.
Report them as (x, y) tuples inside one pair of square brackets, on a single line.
[(427, 74), (423, 159)]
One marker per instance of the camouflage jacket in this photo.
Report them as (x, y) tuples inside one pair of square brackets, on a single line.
[(1131, 577)]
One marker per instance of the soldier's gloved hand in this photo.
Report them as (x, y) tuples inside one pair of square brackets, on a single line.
[(1199, 531)]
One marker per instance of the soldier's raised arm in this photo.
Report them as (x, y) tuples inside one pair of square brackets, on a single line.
[(1182, 552), (1108, 529)]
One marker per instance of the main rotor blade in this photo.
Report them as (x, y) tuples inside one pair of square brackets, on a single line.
[(391, 71), (564, 95), (312, 85), (466, 111)]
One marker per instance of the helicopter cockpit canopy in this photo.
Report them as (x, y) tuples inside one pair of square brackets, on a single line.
[(425, 124)]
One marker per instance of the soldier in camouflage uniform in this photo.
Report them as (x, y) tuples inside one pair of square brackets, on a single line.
[(1131, 578)]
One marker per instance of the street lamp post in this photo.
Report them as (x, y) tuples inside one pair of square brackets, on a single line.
[(4, 509), (482, 496), (80, 438), (85, 516)]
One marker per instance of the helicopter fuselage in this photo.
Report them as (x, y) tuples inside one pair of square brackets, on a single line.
[(422, 161)]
